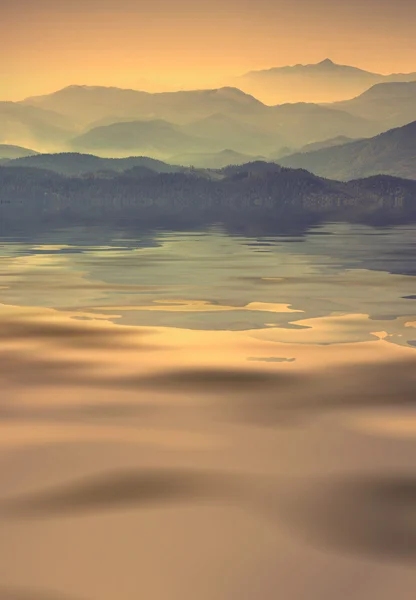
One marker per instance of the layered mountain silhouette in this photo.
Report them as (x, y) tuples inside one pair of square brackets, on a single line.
[(303, 123), (29, 126), (290, 125), (76, 164), (325, 81), (238, 194), (113, 122), (9, 151), (202, 121), (154, 138), (391, 153), (231, 132), (214, 160), (329, 143), (88, 105), (390, 104)]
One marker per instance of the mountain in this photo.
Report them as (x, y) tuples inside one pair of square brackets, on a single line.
[(9, 152), (89, 105), (325, 81), (327, 143), (214, 160), (237, 195), (30, 126), (195, 142), (207, 121), (75, 164), (231, 133), (396, 190), (269, 129), (392, 104), (330, 143), (155, 138), (226, 118), (304, 123), (391, 153)]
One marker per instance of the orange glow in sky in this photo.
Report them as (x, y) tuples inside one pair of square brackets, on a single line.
[(166, 44)]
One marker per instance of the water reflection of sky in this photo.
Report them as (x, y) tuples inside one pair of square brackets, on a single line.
[(260, 391), (213, 281)]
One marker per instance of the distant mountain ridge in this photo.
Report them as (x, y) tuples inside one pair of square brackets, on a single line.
[(391, 153), (88, 104), (392, 104), (326, 65), (30, 126), (155, 138), (114, 122), (303, 123), (230, 132), (74, 164), (214, 160), (325, 81), (8, 151), (339, 140), (290, 125)]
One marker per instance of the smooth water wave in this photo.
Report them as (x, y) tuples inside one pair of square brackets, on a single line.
[(225, 410)]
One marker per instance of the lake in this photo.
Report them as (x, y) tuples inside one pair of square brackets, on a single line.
[(200, 415)]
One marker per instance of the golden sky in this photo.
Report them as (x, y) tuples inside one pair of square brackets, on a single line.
[(172, 44)]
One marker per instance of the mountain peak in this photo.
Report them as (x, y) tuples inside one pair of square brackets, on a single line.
[(236, 94), (327, 62)]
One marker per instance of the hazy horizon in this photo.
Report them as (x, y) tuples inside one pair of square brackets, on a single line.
[(183, 45), (152, 87)]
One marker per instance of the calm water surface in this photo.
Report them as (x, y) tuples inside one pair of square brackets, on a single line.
[(235, 413)]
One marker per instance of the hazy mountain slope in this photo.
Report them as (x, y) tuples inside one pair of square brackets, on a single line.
[(77, 164), (392, 104), (311, 147), (231, 133), (392, 153), (303, 123), (321, 82), (288, 125), (88, 105), (215, 160), (29, 126), (152, 138), (330, 143), (11, 152), (226, 116), (74, 164), (395, 189)]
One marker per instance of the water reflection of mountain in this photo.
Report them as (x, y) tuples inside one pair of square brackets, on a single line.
[(213, 280), (390, 248)]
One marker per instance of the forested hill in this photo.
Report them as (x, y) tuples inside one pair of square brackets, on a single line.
[(239, 193)]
